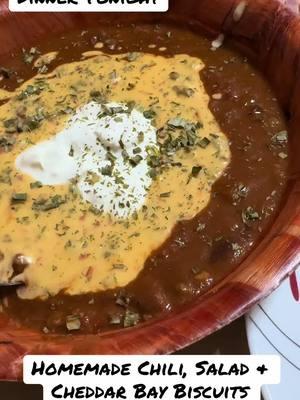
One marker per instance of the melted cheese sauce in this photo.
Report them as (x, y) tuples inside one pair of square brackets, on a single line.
[(74, 247)]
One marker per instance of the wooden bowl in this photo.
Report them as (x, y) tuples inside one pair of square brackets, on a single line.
[(268, 33)]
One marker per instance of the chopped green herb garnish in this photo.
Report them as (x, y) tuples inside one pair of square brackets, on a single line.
[(133, 56), (165, 195), (111, 157), (195, 171), (28, 56), (36, 185), (18, 198), (134, 161), (107, 170), (122, 300), (149, 114), (7, 142), (184, 91), (137, 150), (92, 178), (249, 215), (204, 142), (5, 176), (31, 90), (48, 204), (152, 173), (120, 266), (97, 96), (141, 137), (131, 319), (178, 123), (19, 125), (95, 210), (11, 125)]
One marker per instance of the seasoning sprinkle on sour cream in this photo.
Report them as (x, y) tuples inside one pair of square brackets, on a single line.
[(101, 159), (104, 150)]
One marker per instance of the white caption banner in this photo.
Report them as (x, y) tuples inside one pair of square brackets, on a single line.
[(89, 5), (152, 377)]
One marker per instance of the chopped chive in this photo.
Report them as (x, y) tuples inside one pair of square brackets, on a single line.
[(18, 198)]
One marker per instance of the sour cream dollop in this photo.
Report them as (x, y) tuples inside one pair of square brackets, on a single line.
[(104, 150)]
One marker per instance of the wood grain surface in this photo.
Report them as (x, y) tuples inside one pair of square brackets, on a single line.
[(269, 34)]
